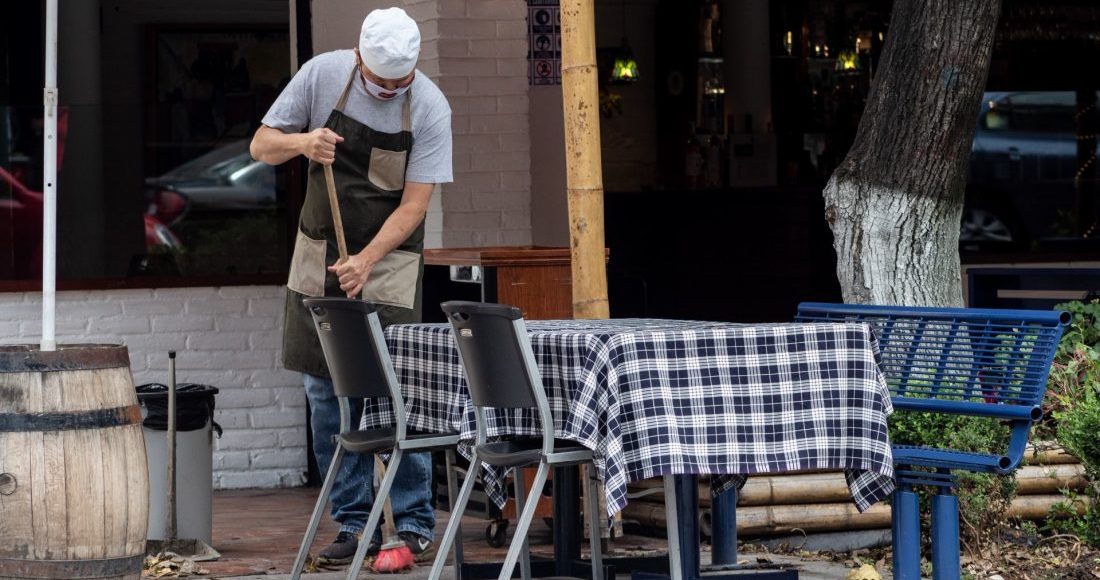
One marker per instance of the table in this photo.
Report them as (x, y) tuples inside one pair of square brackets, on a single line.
[(662, 397)]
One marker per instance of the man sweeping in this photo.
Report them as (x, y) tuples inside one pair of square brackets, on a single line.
[(385, 129)]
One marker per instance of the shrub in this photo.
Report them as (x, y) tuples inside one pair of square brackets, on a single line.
[(1073, 402)]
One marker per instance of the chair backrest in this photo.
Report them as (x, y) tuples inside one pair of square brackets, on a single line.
[(966, 360), (354, 346), (492, 341)]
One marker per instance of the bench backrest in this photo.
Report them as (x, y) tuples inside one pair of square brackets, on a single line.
[(980, 362)]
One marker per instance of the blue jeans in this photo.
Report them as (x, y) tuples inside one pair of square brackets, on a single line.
[(352, 493)]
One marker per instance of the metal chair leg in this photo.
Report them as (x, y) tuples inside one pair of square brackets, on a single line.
[(452, 489), (594, 514), (906, 533), (524, 522), (945, 536), (318, 509), (675, 572), (377, 506), (455, 522), (525, 559)]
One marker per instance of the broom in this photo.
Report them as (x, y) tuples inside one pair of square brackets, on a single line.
[(394, 556)]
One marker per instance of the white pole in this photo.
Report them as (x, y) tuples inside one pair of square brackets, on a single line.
[(49, 182)]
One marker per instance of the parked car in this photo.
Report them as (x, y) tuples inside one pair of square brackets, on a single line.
[(1023, 161), (223, 180), (21, 230)]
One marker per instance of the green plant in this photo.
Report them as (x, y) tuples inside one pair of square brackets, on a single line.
[(1085, 327), (611, 103), (1078, 418), (1077, 515), (1073, 407), (983, 498)]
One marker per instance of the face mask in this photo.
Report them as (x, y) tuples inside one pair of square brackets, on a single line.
[(379, 92)]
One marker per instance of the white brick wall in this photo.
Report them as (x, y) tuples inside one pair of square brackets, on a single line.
[(228, 337), (482, 48)]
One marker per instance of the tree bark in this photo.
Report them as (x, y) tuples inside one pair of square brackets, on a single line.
[(895, 202)]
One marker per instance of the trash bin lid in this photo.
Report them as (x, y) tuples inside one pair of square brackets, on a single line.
[(183, 390)]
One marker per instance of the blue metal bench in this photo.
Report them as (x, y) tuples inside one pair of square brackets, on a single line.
[(962, 361)]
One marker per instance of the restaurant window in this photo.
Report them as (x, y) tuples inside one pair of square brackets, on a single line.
[(157, 107)]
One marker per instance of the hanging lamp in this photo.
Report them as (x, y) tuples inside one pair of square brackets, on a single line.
[(625, 69)]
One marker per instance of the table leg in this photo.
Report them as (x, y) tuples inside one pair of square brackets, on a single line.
[(683, 538), (683, 531), (723, 529), (567, 521)]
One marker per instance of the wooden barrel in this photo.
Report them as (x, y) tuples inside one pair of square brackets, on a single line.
[(74, 489)]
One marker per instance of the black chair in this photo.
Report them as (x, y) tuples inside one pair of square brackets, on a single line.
[(501, 373), (359, 363)]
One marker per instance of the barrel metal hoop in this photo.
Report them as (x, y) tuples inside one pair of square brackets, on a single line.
[(68, 357), (94, 419), (101, 568)]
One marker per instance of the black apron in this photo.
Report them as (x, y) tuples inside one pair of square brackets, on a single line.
[(369, 174)]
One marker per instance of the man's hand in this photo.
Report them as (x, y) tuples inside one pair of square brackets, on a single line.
[(353, 273), (320, 145)]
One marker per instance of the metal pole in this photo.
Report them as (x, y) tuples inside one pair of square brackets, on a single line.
[(170, 521), (49, 182), (723, 534)]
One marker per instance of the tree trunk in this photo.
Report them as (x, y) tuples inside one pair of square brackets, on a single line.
[(584, 176), (895, 202)]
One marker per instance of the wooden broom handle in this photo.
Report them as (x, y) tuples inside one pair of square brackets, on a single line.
[(336, 219)]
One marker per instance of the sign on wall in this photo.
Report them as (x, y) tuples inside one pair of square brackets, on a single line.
[(544, 48)]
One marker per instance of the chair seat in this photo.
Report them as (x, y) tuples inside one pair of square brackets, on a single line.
[(520, 452), (383, 438), (369, 440), (948, 459)]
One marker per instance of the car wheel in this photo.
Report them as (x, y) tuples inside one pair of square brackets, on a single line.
[(981, 225)]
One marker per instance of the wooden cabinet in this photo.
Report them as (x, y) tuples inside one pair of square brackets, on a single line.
[(538, 280)]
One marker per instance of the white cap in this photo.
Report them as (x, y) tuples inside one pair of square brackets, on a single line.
[(389, 43)]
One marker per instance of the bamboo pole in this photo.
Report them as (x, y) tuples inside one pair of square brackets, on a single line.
[(825, 487), (1037, 507), (1049, 479), (823, 517), (1047, 454), (783, 519), (831, 487), (584, 176)]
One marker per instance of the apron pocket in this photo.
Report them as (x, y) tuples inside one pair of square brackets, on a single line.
[(387, 169), (307, 267), (393, 279)]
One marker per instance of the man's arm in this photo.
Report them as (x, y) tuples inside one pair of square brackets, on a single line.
[(273, 146), (354, 272)]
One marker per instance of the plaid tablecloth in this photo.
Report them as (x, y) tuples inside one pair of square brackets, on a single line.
[(659, 397)]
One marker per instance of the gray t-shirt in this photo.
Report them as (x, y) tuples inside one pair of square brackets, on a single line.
[(312, 94)]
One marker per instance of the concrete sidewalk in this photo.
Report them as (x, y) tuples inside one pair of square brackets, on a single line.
[(258, 532), (807, 570)]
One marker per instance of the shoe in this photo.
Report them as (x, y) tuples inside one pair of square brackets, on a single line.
[(422, 548), (342, 549)]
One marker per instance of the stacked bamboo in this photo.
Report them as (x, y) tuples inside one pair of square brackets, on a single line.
[(782, 504)]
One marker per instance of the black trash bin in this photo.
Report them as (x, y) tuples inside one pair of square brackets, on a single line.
[(195, 427)]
